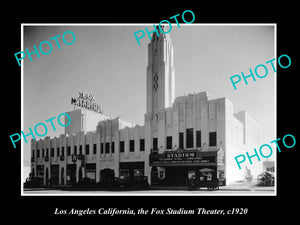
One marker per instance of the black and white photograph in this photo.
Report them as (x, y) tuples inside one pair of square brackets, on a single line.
[(163, 116)]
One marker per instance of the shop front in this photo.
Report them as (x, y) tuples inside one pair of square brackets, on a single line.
[(40, 173), (54, 177), (132, 175), (175, 168), (71, 174), (90, 171), (130, 170)]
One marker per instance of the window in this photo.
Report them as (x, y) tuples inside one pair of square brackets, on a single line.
[(131, 145), (38, 153), (107, 147), (155, 144), (138, 172), (87, 149), (47, 152), (102, 148), (43, 153), (122, 146), (161, 174), (212, 138), (75, 150), (124, 174), (113, 147), (189, 138), (169, 142), (57, 152), (94, 149), (62, 151), (221, 175), (68, 150), (181, 140), (52, 152), (33, 156), (142, 145), (198, 138)]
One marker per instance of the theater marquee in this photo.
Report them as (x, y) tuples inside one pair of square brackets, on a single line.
[(182, 157), (86, 101)]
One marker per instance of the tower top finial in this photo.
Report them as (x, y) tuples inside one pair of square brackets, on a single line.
[(161, 33)]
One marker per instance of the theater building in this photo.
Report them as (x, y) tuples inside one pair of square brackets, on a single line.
[(182, 137)]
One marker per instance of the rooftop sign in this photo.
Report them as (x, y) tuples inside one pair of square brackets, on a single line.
[(86, 101)]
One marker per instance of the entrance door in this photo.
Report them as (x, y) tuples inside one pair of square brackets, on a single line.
[(154, 176), (71, 174), (107, 175), (176, 176), (62, 176)]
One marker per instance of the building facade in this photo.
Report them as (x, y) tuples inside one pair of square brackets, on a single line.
[(183, 137)]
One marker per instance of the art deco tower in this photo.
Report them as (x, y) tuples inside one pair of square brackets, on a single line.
[(160, 73)]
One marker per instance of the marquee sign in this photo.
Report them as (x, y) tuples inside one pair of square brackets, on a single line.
[(182, 157), (87, 101)]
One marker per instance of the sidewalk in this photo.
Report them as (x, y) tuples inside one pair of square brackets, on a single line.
[(236, 186), (246, 186)]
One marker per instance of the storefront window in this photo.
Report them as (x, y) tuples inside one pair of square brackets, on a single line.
[(68, 176), (138, 172), (221, 175), (191, 174), (161, 174), (206, 176), (40, 171), (124, 174), (209, 176), (91, 175)]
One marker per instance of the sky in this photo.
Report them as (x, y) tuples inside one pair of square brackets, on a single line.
[(107, 61)]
